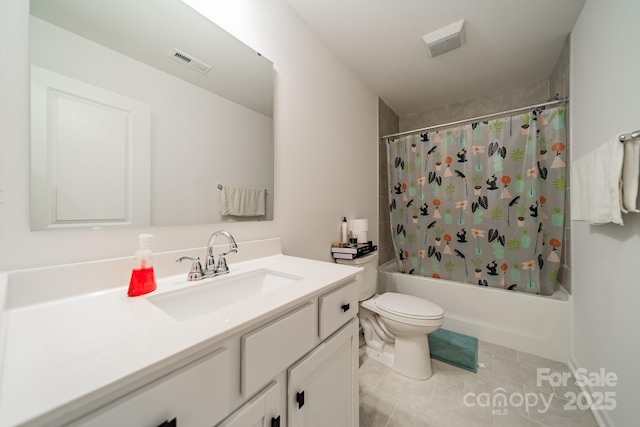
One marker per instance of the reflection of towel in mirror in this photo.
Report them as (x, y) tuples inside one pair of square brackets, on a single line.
[(242, 201)]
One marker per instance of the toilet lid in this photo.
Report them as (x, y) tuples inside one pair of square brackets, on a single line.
[(408, 305)]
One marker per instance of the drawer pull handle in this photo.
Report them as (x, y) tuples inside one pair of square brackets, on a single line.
[(300, 399), (345, 307), (275, 422), (172, 423)]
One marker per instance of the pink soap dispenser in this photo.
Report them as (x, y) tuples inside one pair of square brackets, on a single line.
[(143, 279)]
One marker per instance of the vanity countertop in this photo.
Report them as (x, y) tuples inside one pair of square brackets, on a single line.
[(59, 354)]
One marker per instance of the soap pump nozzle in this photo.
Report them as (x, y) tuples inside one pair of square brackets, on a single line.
[(143, 254), (143, 278)]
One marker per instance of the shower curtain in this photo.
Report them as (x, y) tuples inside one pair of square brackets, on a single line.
[(482, 203)]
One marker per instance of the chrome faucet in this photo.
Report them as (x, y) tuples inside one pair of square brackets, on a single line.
[(210, 267), (196, 272)]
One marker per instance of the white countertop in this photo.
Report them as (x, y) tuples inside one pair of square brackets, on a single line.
[(60, 352)]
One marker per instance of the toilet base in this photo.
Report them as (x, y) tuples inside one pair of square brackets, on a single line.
[(409, 356), (412, 357)]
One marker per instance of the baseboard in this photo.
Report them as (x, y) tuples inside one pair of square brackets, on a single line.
[(602, 417)]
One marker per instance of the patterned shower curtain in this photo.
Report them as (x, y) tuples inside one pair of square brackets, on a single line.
[(482, 203)]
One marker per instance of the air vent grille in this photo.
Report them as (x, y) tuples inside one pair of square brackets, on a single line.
[(188, 60)]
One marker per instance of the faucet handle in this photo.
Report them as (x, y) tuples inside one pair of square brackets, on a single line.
[(222, 266), (222, 262), (195, 273)]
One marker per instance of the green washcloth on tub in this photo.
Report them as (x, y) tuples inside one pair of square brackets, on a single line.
[(454, 348)]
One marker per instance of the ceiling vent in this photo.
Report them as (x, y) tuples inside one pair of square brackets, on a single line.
[(445, 39), (188, 60)]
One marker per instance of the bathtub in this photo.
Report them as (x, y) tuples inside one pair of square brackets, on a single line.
[(534, 324)]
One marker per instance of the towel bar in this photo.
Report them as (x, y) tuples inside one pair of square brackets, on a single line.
[(629, 136), (220, 188)]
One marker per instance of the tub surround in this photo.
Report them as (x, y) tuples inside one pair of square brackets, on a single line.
[(71, 337)]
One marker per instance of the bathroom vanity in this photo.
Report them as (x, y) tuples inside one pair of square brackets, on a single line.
[(272, 343)]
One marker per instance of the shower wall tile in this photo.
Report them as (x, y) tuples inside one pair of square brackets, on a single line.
[(386, 254), (410, 122), (383, 114), (435, 116), (556, 83), (383, 205), (535, 93), (496, 102), (384, 237), (388, 123), (566, 250), (383, 177), (565, 55), (387, 119), (463, 110), (566, 279)]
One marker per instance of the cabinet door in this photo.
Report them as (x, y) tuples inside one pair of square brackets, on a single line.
[(323, 387), (261, 411)]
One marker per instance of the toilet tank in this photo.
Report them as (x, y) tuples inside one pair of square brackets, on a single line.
[(368, 278)]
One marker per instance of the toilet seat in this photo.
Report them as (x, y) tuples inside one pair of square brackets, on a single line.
[(408, 306)]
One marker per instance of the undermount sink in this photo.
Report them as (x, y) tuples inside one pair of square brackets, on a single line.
[(220, 292)]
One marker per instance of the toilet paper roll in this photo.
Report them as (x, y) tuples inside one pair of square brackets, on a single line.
[(359, 225), (361, 236)]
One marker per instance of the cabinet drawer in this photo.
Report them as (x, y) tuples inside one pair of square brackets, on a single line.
[(273, 347), (196, 395), (336, 308)]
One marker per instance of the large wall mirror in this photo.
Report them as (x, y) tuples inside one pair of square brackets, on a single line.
[(141, 111)]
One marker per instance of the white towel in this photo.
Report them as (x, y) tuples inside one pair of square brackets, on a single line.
[(595, 185), (630, 175), (242, 201)]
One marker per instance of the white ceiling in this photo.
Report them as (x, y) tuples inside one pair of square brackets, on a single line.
[(509, 43)]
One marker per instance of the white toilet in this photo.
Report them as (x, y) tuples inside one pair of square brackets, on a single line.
[(395, 325)]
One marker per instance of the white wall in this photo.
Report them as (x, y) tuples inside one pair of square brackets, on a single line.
[(605, 96), (325, 150), (326, 126)]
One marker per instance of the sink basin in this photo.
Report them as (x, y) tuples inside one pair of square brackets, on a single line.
[(220, 292)]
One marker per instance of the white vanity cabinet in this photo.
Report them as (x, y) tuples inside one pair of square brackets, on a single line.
[(254, 373), (321, 364)]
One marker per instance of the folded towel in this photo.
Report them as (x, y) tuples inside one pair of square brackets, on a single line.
[(242, 201), (630, 175), (596, 183)]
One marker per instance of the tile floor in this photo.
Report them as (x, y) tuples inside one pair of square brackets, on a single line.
[(388, 399)]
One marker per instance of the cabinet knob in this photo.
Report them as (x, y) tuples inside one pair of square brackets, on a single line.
[(275, 422), (172, 423), (300, 399), (345, 307)]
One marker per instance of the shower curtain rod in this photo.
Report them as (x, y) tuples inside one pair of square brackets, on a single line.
[(479, 119)]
